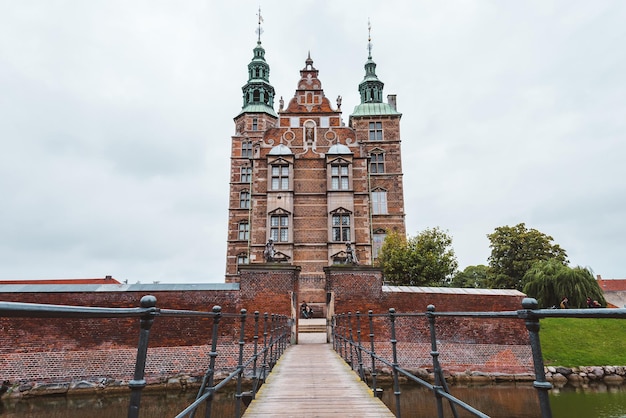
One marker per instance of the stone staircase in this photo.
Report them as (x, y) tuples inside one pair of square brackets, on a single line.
[(312, 325)]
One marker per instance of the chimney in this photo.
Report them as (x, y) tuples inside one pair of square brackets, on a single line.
[(391, 99)]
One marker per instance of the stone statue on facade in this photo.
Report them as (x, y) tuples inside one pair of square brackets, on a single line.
[(268, 253), (351, 255)]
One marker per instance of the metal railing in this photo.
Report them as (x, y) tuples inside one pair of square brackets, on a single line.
[(343, 331), (276, 332)]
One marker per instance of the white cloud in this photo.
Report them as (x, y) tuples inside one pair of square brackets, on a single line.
[(117, 117)]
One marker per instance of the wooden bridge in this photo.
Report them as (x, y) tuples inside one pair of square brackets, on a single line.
[(311, 380)]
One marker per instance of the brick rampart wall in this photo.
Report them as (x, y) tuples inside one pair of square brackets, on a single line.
[(54, 350)]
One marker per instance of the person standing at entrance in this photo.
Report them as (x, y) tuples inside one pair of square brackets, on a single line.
[(304, 310)]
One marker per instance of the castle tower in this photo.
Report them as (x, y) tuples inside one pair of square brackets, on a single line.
[(305, 189)]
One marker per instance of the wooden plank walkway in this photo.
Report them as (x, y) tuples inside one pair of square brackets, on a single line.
[(311, 380)]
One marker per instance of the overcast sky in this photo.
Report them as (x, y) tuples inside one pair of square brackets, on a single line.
[(116, 119)]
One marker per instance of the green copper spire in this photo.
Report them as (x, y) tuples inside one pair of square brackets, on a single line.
[(371, 88), (258, 93)]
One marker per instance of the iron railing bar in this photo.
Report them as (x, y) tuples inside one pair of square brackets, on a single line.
[(574, 313), (495, 315), (41, 310)]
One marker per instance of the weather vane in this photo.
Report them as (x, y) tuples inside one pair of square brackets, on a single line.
[(259, 30), (369, 38)]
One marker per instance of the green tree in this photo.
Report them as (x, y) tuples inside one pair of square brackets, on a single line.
[(472, 276), (513, 252), (549, 281), (424, 260)]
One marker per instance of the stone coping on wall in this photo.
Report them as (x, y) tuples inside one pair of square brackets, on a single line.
[(452, 290), (137, 287)]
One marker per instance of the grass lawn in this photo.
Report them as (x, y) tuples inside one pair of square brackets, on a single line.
[(574, 342)]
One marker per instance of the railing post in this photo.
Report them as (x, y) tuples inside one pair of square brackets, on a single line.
[(207, 380), (540, 383), (242, 343), (345, 340), (370, 315), (265, 347), (396, 383), (138, 382), (272, 340), (350, 340), (359, 353), (255, 377), (434, 352)]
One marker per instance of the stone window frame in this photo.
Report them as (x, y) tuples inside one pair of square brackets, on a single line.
[(377, 161), (378, 238), (246, 149), (245, 174), (275, 232), (244, 199), (340, 224), (339, 177), (379, 201), (375, 131), (243, 230), (284, 179)]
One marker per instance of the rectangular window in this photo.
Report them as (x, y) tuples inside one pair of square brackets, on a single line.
[(294, 122), (341, 227), (378, 243), (324, 122), (379, 202), (339, 177), (244, 231), (377, 163), (255, 124), (246, 149), (242, 259), (246, 174), (280, 177), (244, 200), (376, 131), (279, 228)]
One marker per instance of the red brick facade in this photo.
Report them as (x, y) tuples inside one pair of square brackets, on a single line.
[(308, 182)]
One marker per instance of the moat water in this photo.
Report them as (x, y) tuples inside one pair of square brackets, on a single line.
[(497, 401)]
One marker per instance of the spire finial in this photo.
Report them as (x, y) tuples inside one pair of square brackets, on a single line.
[(369, 39), (259, 30)]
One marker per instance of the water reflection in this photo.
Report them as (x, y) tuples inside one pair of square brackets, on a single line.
[(498, 401), (153, 405)]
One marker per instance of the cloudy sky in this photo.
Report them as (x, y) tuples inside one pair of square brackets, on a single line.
[(116, 118)]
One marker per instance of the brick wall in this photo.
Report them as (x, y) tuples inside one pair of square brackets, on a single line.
[(53, 350)]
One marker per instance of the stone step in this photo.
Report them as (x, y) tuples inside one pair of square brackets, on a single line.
[(312, 328)]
